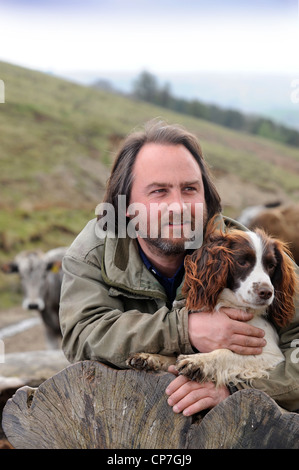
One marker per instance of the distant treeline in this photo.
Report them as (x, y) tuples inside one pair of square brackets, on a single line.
[(147, 88)]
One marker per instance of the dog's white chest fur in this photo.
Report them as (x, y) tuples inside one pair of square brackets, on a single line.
[(223, 366), (271, 349)]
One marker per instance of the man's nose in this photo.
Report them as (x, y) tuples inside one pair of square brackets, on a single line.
[(177, 199)]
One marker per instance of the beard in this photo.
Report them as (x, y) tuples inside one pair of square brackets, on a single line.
[(165, 245)]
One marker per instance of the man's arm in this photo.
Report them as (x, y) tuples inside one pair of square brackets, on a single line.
[(98, 324)]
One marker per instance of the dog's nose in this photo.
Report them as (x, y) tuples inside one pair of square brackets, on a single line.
[(264, 292)]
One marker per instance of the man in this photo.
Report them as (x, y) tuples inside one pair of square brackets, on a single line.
[(121, 292)]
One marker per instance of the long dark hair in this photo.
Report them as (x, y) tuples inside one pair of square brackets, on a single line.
[(121, 178)]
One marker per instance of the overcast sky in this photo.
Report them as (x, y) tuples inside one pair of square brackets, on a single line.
[(156, 35)]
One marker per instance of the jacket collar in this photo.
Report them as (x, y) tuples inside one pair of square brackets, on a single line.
[(123, 268)]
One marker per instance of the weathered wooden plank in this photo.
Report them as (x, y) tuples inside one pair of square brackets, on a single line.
[(27, 368), (249, 419), (89, 405)]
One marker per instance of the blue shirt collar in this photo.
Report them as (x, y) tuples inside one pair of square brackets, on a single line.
[(170, 284)]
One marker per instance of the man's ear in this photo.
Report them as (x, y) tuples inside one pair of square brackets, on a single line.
[(10, 268)]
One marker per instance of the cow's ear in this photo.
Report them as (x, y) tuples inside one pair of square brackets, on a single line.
[(9, 268), (54, 266), (49, 265)]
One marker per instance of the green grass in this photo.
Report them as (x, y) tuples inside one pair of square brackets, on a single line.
[(245, 165)]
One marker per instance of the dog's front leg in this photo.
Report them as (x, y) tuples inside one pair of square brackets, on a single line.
[(217, 366), (147, 361)]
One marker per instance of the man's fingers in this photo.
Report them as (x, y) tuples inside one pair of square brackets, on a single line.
[(248, 341), (198, 398), (245, 351), (236, 314), (247, 345), (190, 397), (244, 329), (173, 370), (176, 384), (182, 389)]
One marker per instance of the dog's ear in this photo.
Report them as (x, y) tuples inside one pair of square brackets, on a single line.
[(206, 272), (285, 282)]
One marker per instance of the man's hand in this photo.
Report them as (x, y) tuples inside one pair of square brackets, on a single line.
[(192, 397), (225, 329)]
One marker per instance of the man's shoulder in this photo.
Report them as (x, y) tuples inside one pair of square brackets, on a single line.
[(86, 242)]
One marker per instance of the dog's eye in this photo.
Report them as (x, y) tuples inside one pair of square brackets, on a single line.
[(271, 267), (243, 262), (270, 264)]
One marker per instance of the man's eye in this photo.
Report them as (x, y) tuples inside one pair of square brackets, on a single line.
[(189, 188), (158, 191)]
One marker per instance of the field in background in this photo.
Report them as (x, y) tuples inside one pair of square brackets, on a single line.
[(58, 141)]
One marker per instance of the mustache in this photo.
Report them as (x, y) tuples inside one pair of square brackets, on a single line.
[(176, 219)]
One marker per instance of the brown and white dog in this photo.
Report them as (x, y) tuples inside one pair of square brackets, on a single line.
[(244, 270)]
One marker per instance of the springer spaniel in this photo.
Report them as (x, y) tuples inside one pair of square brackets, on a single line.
[(244, 270)]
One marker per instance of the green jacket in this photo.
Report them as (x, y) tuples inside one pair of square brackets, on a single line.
[(111, 306)]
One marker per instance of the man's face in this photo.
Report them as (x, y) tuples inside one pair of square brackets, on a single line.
[(167, 181)]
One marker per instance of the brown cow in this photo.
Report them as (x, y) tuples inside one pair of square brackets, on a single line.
[(281, 222)]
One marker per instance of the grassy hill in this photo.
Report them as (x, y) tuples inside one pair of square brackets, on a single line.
[(58, 140)]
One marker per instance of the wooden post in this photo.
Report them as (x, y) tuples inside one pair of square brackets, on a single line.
[(89, 405)]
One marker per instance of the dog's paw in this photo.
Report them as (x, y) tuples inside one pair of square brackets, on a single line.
[(190, 368), (142, 361), (148, 361)]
